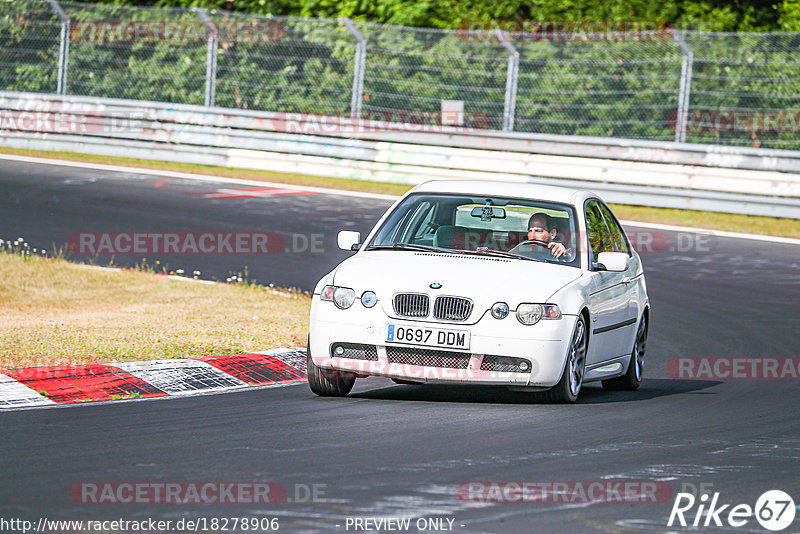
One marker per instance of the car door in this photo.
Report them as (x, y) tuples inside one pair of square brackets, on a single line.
[(608, 296), (632, 280)]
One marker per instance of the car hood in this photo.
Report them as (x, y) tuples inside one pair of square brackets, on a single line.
[(484, 279)]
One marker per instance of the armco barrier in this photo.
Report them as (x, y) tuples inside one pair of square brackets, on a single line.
[(735, 180)]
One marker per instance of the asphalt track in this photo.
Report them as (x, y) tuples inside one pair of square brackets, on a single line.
[(46, 210), (402, 451)]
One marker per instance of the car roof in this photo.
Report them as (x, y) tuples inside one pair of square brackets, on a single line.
[(565, 195)]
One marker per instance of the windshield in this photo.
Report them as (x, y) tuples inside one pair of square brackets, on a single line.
[(511, 227)]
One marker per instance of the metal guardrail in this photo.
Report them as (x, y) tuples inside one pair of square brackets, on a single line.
[(735, 180)]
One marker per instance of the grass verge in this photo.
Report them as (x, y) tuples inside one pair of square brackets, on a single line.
[(700, 219), (53, 312)]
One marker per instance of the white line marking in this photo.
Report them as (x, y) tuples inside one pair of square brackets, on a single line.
[(222, 179), (716, 233), (190, 176)]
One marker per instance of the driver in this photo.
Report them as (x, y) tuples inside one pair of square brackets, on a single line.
[(542, 228)]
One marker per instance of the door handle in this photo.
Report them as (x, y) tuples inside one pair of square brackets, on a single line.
[(627, 280)]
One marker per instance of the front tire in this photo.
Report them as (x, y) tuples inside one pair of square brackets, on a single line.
[(633, 376), (327, 382), (569, 387)]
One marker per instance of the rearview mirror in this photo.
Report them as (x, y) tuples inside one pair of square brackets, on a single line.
[(487, 213), (615, 262), (348, 240)]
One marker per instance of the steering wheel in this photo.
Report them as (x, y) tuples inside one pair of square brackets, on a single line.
[(539, 242), (568, 256)]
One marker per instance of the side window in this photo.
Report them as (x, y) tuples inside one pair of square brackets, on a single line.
[(413, 224), (617, 234), (598, 234), (425, 229)]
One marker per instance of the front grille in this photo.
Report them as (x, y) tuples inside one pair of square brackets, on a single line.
[(411, 304), (452, 308), (427, 358), (355, 351), (503, 364)]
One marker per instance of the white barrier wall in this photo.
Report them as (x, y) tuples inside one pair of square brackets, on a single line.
[(678, 176)]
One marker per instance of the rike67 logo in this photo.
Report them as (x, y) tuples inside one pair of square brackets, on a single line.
[(774, 510)]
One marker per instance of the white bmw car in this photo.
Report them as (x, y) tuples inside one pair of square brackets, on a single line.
[(466, 282)]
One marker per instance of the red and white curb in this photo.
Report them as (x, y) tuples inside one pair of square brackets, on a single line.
[(73, 384)]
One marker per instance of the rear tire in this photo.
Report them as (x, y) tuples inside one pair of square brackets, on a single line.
[(633, 376), (328, 382), (569, 387)]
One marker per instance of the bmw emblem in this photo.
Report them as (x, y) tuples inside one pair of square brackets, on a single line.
[(435, 285)]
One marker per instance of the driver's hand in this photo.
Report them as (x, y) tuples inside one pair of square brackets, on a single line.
[(557, 249)]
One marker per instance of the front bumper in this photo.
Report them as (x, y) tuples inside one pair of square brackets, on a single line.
[(492, 342)]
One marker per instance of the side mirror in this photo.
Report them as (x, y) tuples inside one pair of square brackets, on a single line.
[(615, 262), (348, 240)]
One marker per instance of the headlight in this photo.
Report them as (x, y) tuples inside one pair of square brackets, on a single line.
[(368, 299), (500, 310), (343, 297), (529, 314)]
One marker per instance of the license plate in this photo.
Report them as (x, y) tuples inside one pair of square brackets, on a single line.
[(429, 337)]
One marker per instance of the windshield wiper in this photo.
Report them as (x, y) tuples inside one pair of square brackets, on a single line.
[(413, 246), (503, 253), (428, 248)]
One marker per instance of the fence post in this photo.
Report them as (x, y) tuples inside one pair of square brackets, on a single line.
[(358, 67), (211, 55), (63, 50), (512, 80), (685, 88)]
